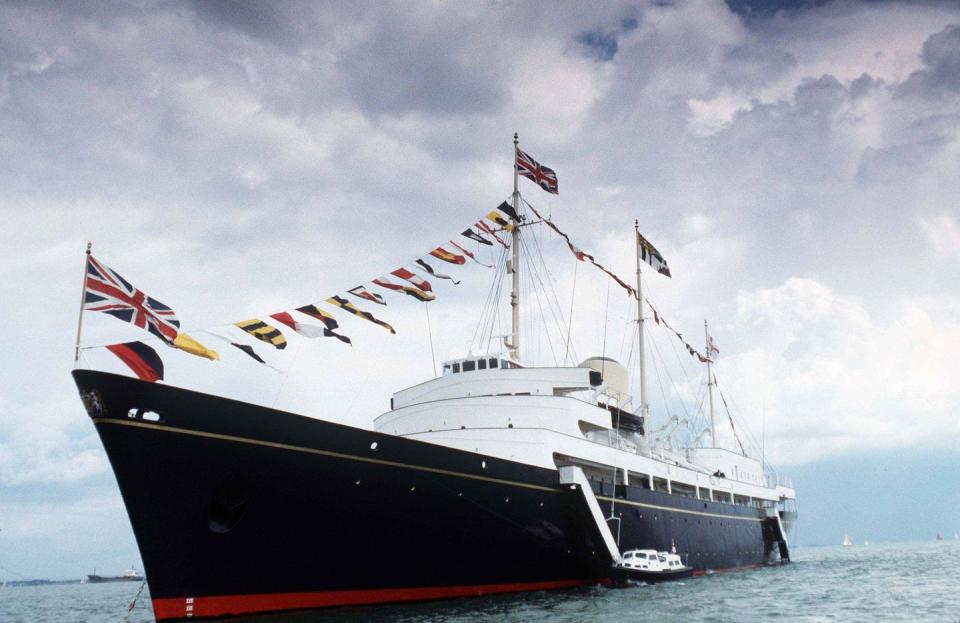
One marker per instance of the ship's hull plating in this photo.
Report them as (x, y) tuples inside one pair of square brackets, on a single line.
[(238, 508)]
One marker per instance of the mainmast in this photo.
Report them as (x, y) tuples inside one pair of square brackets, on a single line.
[(514, 344), (713, 426), (644, 407)]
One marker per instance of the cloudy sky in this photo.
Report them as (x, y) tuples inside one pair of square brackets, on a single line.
[(797, 167)]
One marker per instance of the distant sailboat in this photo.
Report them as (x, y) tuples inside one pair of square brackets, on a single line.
[(847, 541)]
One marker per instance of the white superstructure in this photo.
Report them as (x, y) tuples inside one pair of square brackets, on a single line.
[(552, 417)]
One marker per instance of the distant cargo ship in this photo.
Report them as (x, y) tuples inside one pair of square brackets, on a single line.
[(130, 575)]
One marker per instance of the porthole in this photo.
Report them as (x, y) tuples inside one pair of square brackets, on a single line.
[(373, 446), (483, 464)]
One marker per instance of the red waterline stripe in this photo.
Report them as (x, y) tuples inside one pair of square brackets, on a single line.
[(214, 606)]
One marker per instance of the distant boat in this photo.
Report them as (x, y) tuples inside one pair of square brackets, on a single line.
[(939, 537), (866, 542), (847, 541), (130, 575)]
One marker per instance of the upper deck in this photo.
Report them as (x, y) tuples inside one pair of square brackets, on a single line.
[(553, 416)]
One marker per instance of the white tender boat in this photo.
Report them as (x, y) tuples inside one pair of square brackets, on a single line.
[(649, 565)]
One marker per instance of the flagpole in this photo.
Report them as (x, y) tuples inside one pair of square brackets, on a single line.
[(713, 428), (514, 345), (83, 296), (644, 408)]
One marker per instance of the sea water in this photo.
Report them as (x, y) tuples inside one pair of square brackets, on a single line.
[(883, 582)]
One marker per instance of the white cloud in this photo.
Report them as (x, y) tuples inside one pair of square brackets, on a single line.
[(833, 379), (46, 442), (943, 234), (233, 160)]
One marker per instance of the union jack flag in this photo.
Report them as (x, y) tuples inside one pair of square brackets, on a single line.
[(108, 292), (545, 177)]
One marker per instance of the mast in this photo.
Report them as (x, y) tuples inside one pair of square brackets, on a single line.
[(644, 407), (83, 297), (713, 427), (514, 344)]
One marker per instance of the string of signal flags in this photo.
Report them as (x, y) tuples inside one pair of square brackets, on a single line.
[(108, 292)]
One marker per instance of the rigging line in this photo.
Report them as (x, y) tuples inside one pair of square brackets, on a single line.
[(285, 374), (663, 392), (732, 427), (676, 354), (478, 331), (573, 294), (603, 352), (627, 327), (494, 309), (673, 383), (433, 355), (633, 343), (553, 300), (742, 423), (536, 293)]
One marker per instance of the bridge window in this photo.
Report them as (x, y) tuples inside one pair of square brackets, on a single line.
[(481, 364), (468, 366), (456, 368), (493, 363)]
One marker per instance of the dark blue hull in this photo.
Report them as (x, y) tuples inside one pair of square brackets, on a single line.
[(238, 508)]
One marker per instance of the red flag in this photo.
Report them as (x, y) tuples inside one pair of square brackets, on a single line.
[(143, 360), (403, 273), (363, 293)]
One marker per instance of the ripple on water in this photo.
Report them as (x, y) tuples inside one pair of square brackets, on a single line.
[(904, 582)]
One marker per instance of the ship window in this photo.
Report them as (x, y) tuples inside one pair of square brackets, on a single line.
[(493, 363), (468, 366), (481, 364), (446, 368), (456, 368)]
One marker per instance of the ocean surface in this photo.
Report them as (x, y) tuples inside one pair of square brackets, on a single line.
[(884, 582)]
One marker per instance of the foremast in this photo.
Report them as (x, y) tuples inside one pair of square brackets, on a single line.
[(513, 346)]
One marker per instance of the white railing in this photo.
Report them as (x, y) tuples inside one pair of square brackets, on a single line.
[(778, 480)]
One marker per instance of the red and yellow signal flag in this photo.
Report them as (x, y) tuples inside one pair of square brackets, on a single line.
[(442, 254)]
